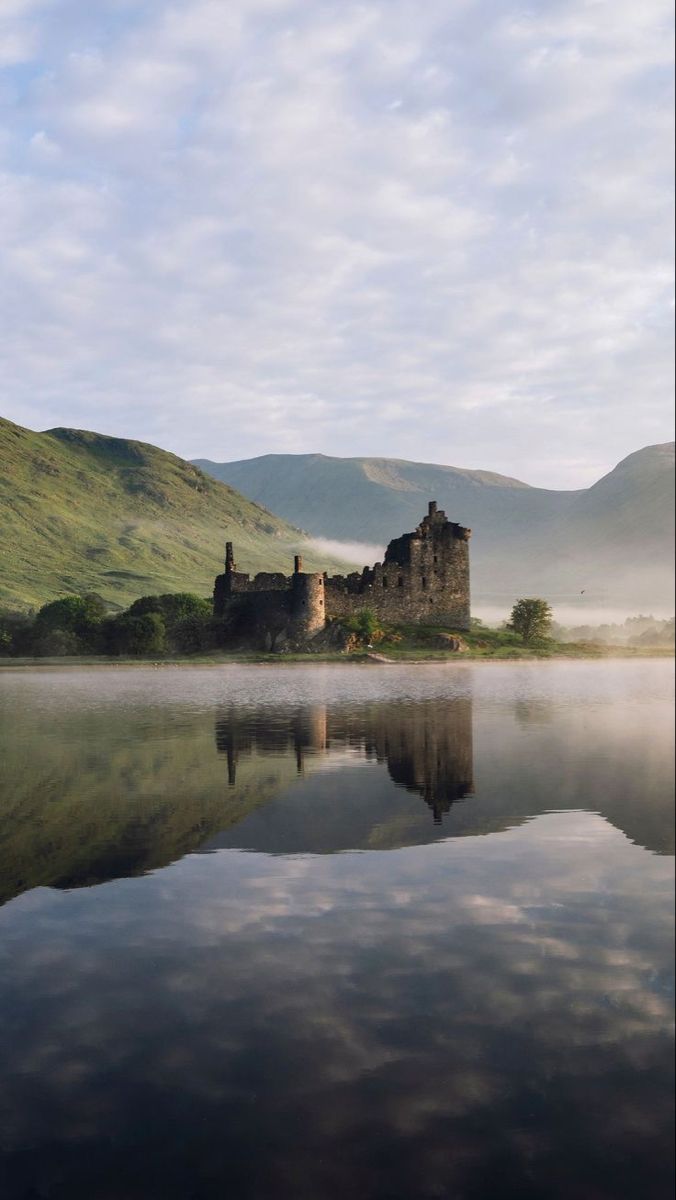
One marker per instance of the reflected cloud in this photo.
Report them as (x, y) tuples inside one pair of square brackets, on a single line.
[(454, 1014)]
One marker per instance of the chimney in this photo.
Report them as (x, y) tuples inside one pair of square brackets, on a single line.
[(431, 508), (229, 558), (297, 564)]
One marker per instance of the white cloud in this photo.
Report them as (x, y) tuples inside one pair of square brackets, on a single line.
[(357, 229)]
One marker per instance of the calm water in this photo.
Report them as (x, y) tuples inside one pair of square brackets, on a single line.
[(374, 932)]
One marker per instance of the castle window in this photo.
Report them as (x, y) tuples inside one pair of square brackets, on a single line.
[(435, 558), (400, 581), (424, 582), (384, 581)]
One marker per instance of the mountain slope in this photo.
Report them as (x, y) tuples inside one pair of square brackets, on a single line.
[(85, 512), (373, 499), (614, 538)]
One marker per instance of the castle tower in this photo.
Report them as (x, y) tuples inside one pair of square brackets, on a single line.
[(308, 614)]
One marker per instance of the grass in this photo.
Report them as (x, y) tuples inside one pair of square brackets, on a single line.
[(83, 512), (415, 646)]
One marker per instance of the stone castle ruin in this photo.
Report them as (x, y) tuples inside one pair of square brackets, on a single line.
[(423, 579)]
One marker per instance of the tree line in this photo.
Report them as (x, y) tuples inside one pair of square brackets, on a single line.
[(179, 623)]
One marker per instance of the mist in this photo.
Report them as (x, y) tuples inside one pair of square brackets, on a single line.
[(572, 614), (361, 554)]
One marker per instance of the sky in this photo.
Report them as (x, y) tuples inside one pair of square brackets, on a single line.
[(437, 230)]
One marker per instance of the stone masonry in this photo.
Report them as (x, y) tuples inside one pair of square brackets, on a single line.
[(423, 579)]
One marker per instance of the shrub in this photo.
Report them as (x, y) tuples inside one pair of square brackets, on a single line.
[(365, 625)]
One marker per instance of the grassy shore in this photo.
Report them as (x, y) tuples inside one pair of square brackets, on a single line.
[(403, 644)]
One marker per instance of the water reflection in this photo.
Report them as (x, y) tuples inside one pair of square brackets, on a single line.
[(465, 1016), (103, 784), (426, 747)]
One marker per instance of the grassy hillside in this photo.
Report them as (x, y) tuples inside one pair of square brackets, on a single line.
[(84, 512), (613, 540)]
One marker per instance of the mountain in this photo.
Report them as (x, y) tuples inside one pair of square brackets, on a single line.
[(613, 540), (85, 512), (374, 499)]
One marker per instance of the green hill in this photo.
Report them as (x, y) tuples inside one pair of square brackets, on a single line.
[(84, 512)]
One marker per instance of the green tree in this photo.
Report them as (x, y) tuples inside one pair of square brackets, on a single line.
[(145, 634), (79, 616), (16, 633), (531, 618), (56, 643), (174, 607), (187, 619)]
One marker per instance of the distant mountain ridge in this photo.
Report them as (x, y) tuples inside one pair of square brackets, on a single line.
[(80, 511), (614, 538)]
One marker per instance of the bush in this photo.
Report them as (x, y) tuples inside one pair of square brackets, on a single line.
[(365, 625)]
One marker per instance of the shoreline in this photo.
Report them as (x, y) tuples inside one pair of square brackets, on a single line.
[(594, 653)]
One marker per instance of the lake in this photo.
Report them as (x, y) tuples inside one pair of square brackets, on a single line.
[(382, 932)]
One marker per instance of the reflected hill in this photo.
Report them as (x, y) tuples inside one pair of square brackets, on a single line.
[(92, 795)]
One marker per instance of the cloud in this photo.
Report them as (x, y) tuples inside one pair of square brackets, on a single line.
[(386, 229)]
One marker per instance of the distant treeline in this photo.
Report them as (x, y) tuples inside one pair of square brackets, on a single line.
[(76, 625), (637, 631)]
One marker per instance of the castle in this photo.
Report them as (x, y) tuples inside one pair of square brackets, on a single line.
[(424, 578)]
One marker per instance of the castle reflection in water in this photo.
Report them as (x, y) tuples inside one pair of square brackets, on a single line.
[(427, 747)]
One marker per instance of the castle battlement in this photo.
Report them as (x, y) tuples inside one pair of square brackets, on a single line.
[(424, 578)]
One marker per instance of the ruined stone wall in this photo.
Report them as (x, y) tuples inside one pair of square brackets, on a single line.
[(294, 606), (237, 583), (433, 589), (424, 579)]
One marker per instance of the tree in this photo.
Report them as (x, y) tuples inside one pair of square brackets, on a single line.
[(531, 619), (187, 619), (146, 634), (16, 633), (56, 643), (174, 607), (79, 616)]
